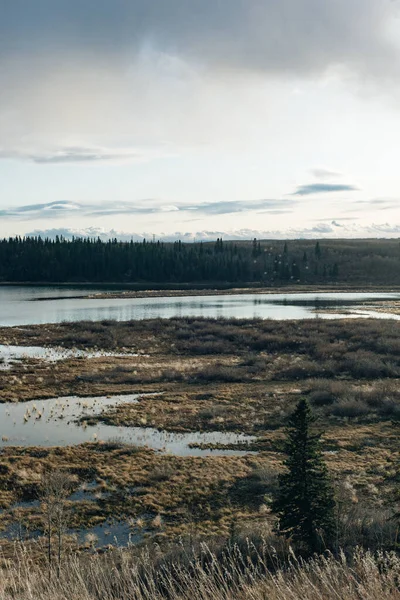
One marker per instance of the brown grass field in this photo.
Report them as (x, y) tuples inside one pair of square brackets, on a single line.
[(214, 375)]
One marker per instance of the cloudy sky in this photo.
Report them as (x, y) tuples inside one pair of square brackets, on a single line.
[(196, 118)]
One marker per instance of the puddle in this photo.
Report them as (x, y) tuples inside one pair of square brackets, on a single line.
[(88, 492), (10, 355), (112, 532), (26, 504), (116, 533), (19, 532), (61, 422)]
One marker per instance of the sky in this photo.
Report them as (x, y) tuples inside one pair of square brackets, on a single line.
[(196, 119)]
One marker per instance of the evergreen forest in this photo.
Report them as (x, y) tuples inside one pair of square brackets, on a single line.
[(366, 262)]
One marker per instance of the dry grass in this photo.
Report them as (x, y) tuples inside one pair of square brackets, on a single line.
[(216, 375), (203, 494), (205, 575), (200, 352), (136, 482)]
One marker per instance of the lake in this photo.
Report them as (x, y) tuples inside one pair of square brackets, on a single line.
[(29, 305)]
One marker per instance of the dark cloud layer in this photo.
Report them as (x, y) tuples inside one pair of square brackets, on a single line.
[(284, 35), (141, 73)]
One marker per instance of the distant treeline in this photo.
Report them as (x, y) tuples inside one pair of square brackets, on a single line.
[(34, 259)]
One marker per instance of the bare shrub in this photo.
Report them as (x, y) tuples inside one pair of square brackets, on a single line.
[(303, 369), (366, 365), (321, 398), (350, 408), (55, 488)]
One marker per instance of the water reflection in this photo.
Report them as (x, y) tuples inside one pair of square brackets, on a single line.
[(62, 422), (13, 354), (17, 308)]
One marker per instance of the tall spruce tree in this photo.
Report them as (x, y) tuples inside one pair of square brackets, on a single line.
[(305, 500)]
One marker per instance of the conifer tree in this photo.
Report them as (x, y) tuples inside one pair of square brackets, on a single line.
[(305, 502), (254, 250)]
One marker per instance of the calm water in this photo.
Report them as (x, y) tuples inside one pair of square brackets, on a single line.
[(112, 531), (10, 355), (57, 304), (57, 422)]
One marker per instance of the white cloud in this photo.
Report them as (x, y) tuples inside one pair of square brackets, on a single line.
[(320, 230), (63, 209), (201, 102), (325, 174)]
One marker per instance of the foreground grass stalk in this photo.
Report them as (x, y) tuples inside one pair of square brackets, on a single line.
[(231, 576)]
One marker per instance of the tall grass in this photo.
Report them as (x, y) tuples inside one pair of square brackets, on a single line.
[(203, 576)]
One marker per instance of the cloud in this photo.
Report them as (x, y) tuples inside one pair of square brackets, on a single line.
[(76, 73), (323, 188), (68, 155), (390, 229), (285, 36), (373, 204), (222, 208), (325, 174), (51, 209), (62, 209), (76, 155), (320, 230), (378, 201)]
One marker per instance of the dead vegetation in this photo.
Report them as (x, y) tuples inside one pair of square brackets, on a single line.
[(209, 572), (214, 375)]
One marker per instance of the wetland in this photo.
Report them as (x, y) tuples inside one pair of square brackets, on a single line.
[(175, 426)]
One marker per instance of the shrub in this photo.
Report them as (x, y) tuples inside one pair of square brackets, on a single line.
[(301, 370), (350, 408), (321, 398)]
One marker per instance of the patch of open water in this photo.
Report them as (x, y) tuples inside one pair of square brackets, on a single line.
[(64, 304), (61, 422), (116, 532), (10, 355), (112, 532)]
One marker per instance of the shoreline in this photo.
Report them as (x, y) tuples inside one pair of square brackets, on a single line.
[(210, 291), (232, 292)]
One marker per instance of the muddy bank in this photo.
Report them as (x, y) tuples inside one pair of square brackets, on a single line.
[(178, 293)]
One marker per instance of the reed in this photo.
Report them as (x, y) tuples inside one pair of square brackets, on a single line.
[(204, 575)]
